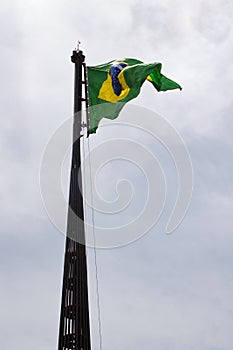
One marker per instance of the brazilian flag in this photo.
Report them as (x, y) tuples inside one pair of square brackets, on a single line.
[(113, 84)]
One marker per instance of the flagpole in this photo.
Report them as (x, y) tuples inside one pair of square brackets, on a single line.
[(74, 333)]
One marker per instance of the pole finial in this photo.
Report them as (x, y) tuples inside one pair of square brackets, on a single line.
[(79, 42)]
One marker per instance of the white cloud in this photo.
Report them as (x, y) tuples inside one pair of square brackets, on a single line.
[(168, 292)]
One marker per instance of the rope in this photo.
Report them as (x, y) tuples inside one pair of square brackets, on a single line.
[(95, 252), (92, 219)]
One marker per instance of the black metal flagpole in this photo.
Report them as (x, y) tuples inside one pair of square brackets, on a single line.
[(74, 333)]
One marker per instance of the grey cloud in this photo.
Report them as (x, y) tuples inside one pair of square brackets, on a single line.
[(167, 292)]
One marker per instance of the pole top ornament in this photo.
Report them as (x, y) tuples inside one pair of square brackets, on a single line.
[(78, 54), (79, 42)]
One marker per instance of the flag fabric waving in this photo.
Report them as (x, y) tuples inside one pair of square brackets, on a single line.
[(113, 84)]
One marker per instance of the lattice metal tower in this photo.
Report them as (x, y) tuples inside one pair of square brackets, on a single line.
[(74, 331)]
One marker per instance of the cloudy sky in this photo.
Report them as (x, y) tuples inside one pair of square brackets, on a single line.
[(167, 292)]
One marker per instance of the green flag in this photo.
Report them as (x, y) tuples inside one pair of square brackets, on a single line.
[(113, 84)]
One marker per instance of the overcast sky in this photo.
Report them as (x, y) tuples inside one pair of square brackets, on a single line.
[(162, 292)]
